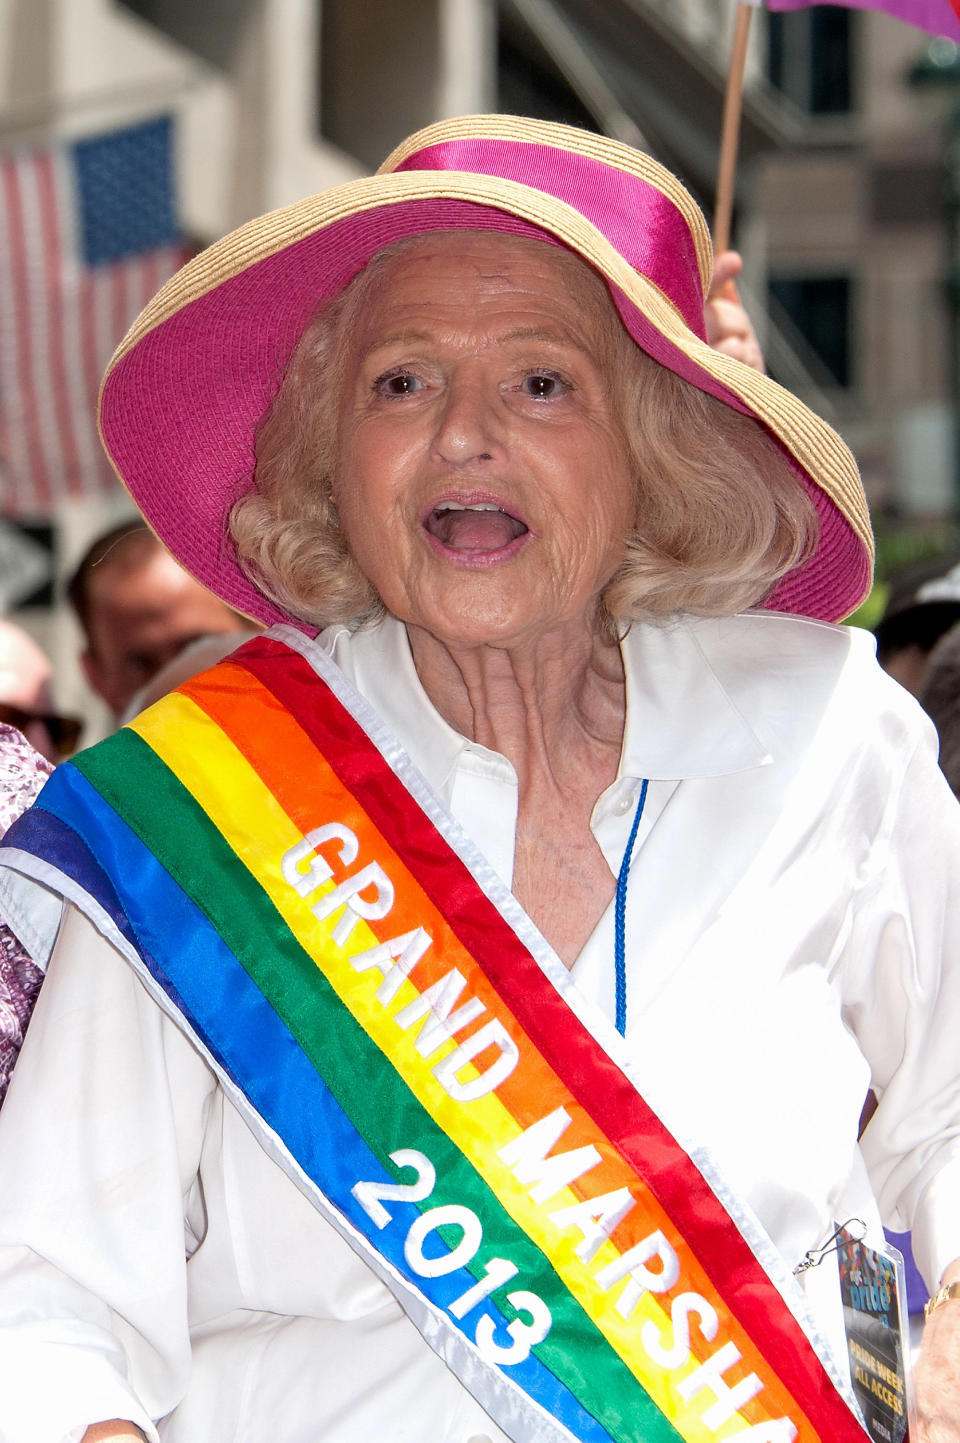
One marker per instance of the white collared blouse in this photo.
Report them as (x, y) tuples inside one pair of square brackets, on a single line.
[(792, 938)]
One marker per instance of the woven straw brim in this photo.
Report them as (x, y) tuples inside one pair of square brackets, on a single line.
[(160, 377)]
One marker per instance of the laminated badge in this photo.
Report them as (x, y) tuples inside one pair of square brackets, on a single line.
[(873, 1290)]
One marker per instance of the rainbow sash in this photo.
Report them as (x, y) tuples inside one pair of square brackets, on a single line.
[(405, 1045)]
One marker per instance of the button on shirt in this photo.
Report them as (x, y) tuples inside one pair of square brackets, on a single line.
[(791, 931)]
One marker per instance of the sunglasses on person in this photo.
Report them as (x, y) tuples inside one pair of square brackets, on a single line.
[(64, 731)]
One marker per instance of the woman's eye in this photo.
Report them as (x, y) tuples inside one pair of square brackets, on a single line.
[(396, 383), (543, 385)]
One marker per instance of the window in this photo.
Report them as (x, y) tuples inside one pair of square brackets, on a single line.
[(212, 30), (379, 64), (528, 83), (810, 55), (819, 307)]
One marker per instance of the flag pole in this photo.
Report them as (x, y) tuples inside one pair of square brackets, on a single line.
[(730, 128)]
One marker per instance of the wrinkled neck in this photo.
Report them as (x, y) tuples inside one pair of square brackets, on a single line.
[(548, 704)]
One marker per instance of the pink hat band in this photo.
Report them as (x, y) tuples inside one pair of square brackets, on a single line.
[(637, 219)]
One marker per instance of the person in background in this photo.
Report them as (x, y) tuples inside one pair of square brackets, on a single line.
[(138, 610), (32, 737), (195, 657), (940, 699), (729, 328), (924, 603), (23, 772), (25, 697), (936, 662)]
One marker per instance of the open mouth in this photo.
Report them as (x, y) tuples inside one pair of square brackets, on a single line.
[(478, 526)]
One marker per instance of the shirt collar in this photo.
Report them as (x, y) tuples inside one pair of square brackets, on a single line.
[(380, 663), (681, 720)]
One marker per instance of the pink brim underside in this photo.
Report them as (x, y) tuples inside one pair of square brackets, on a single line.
[(205, 377)]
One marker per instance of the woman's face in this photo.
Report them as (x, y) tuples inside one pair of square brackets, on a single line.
[(483, 476)]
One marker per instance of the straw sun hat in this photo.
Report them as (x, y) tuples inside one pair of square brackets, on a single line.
[(184, 392)]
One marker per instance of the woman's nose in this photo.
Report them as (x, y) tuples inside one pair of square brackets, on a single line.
[(469, 427)]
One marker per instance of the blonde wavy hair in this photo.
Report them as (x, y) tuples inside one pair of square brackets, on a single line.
[(720, 514)]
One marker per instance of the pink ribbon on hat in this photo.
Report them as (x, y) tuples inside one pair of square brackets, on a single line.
[(636, 218)]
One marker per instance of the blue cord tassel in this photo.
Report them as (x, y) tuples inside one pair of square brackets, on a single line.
[(620, 918)]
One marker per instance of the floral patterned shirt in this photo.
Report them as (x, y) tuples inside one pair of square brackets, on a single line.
[(22, 773)]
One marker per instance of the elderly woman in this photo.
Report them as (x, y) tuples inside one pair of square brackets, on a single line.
[(467, 993)]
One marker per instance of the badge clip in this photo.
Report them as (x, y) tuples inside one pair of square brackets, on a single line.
[(813, 1257)]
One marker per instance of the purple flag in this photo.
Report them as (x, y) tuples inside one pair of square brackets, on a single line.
[(937, 17)]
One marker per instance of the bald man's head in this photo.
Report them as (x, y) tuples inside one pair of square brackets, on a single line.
[(25, 698), (139, 609), (24, 670)]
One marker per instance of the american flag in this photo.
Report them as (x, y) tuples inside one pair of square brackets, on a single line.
[(88, 232), (937, 17)]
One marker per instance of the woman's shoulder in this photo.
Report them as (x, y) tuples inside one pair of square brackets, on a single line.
[(774, 632), (773, 648), (796, 681)]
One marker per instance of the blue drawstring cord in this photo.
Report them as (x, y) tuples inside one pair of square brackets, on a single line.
[(620, 918)]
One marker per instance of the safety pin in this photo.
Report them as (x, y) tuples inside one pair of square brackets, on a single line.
[(813, 1257)]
